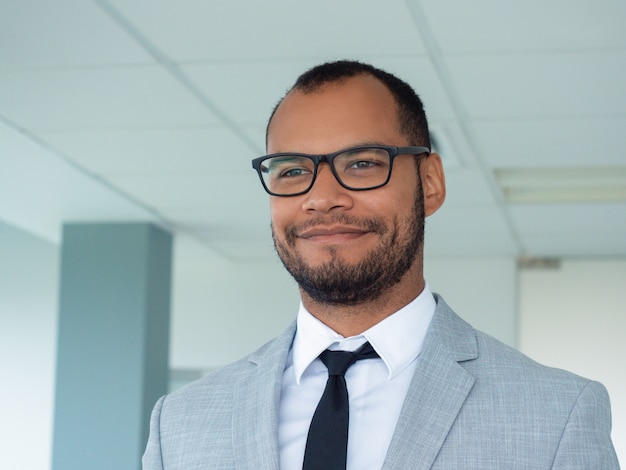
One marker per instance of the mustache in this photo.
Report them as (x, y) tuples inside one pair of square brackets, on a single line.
[(367, 224)]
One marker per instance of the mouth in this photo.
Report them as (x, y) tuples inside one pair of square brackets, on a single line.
[(334, 234)]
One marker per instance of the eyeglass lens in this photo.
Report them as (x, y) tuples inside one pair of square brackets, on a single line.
[(356, 169)]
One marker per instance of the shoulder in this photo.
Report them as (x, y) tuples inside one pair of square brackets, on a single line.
[(218, 385), (507, 375), (502, 361), (505, 368), (481, 353), (193, 427), (501, 366), (573, 413), (522, 404), (215, 386)]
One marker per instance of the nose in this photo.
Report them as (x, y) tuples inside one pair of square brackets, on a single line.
[(327, 194)]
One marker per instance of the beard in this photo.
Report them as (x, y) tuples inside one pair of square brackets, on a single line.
[(337, 282)]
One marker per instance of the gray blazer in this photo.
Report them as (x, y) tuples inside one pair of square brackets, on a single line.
[(473, 403)]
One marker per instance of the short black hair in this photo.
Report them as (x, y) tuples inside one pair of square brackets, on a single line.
[(411, 115)]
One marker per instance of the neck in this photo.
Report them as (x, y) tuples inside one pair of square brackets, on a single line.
[(352, 320)]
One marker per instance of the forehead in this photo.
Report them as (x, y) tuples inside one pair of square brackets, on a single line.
[(354, 111)]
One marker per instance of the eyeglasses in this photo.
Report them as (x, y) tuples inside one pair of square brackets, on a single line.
[(355, 168)]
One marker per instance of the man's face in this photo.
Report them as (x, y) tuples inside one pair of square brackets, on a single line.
[(344, 247)]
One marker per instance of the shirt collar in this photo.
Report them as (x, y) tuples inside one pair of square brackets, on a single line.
[(397, 339)]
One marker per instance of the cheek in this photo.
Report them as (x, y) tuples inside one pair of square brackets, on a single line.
[(279, 216), (404, 210), (394, 205)]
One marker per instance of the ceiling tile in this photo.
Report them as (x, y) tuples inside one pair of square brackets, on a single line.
[(569, 219), (470, 230), (248, 91), (142, 96), (197, 30), (572, 230), (542, 85), (550, 143), (451, 141), (220, 193), (35, 34), (532, 25), (241, 238), (39, 192), (240, 218), (171, 151), (466, 187), (538, 84)]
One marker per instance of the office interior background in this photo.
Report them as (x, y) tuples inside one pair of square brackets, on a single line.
[(137, 111)]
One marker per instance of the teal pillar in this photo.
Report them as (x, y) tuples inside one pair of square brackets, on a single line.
[(113, 343)]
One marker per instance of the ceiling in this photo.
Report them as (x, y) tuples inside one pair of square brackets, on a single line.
[(121, 110)]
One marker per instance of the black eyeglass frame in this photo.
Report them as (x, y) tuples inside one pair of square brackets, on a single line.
[(330, 157)]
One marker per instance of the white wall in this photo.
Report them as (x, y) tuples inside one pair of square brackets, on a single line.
[(481, 290), (222, 310), (28, 325), (574, 318)]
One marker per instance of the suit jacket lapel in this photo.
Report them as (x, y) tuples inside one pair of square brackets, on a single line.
[(257, 393), (437, 392)]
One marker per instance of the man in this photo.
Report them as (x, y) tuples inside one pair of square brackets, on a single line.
[(351, 180)]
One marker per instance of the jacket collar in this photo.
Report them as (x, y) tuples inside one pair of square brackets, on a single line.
[(257, 395), (437, 392)]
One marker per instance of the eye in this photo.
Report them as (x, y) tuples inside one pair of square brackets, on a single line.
[(293, 172), (362, 164), (287, 167), (364, 160)]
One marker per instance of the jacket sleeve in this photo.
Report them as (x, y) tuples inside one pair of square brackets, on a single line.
[(586, 440), (152, 459)]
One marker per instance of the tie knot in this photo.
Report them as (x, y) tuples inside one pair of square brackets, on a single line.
[(338, 362)]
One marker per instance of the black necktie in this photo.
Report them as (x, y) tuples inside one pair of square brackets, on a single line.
[(327, 442)]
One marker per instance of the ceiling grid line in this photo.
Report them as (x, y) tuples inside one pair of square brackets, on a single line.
[(85, 171), (95, 112), (175, 71), (436, 58), (161, 58), (160, 219)]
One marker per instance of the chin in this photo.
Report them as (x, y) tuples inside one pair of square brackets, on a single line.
[(322, 254)]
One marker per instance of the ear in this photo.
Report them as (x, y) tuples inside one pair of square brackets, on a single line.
[(433, 183)]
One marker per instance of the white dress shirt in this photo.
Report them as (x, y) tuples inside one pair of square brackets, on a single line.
[(376, 387)]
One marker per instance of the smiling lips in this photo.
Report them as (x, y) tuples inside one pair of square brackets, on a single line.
[(333, 234)]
